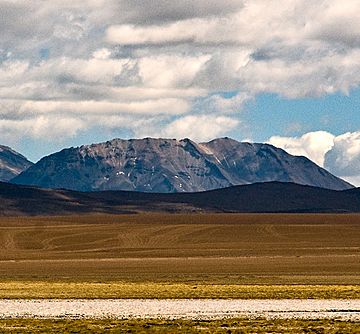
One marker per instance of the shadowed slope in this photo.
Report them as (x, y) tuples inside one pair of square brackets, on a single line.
[(260, 197)]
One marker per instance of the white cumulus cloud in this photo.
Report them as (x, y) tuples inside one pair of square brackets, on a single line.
[(198, 128), (344, 158), (338, 154), (313, 145)]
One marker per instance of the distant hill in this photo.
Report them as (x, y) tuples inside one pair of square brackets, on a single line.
[(270, 197), (170, 166), (11, 163)]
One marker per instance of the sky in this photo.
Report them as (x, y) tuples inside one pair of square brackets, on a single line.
[(285, 72)]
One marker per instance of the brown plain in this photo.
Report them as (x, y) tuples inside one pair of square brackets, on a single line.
[(198, 248)]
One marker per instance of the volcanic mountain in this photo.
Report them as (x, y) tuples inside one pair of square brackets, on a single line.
[(169, 165), (11, 163)]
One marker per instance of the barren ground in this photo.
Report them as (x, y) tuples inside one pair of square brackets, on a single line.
[(218, 248)]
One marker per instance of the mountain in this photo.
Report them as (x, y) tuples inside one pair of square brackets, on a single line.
[(11, 163), (272, 197), (169, 165)]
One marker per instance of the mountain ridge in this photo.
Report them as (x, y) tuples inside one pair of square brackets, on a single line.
[(170, 165), (12, 163), (269, 197)]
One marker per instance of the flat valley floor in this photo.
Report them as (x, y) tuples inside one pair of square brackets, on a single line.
[(198, 248), (179, 257)]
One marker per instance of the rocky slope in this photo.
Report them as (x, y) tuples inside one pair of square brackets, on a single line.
[(11, 163), (169, 165)]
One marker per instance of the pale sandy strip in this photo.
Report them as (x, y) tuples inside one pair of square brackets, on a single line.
[(182, 309)]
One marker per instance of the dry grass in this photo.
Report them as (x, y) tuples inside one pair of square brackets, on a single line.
[(121, 290), (179, 326)]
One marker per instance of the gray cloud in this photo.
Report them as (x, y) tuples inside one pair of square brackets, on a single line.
[(162, 11)]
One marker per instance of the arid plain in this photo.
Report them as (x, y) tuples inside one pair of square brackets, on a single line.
[(181, 256)]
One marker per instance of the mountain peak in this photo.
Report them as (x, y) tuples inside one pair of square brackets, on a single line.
[(170, 165)]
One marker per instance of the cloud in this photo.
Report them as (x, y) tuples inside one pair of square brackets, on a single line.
[(103, 53), (200, 128), (313, 145), (200, 31), (162, 62), (41, 127), (170, 71), (337, 23), (160, 11), (220, 104), (344, 158), (56, 121), (13, 70), (338, 154), (149, 107)]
